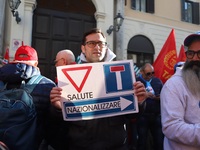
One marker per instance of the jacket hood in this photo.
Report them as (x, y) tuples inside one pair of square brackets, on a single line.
[(15, 73), (108, 57)]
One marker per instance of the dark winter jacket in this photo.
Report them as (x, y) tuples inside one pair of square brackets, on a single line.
[(152, 106), (14, 74), (98, 134)]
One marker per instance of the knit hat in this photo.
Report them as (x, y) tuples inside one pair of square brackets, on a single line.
[(26, 53)]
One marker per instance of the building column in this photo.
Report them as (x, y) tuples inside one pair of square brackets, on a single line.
[(104, 17), (15, 32), (119, 38), (2, 19), (29, 6)]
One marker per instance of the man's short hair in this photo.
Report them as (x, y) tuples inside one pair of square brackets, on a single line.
[(94, 30)]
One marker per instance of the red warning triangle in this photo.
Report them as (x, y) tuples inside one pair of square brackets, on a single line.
[(78, 88)]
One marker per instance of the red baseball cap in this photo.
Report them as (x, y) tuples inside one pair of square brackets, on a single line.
[(26, 53)]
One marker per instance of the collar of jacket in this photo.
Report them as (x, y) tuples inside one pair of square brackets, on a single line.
[(13, 73), (108, 57)]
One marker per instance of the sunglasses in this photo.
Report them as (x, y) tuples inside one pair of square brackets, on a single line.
[(149, 73)]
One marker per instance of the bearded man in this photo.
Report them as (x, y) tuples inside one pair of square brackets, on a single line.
[(180, 101)]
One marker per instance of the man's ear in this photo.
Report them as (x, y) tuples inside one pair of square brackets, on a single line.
[(142, 72), (66, 62), (83, 48), (36, 63)]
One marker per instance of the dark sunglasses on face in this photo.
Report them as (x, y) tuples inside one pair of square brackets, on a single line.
[(190, 54), (149, 73)]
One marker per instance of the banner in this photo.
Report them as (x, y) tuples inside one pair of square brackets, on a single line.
[(167, 58), (182, 56)]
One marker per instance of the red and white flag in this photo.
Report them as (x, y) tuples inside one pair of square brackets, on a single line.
[(6, 56), (167, 58), (182, 56)]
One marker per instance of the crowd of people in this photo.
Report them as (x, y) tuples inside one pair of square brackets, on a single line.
[(168, 117)]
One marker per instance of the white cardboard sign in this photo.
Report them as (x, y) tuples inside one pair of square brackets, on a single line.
[(97, 90)]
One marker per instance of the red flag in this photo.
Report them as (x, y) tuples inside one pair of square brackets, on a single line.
[(6, 56), (167, 58), (182, 56)]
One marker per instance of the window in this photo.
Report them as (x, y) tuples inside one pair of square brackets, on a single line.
[(190, 11), (140, 59), (143, 5), (140, 53), (140, 5)]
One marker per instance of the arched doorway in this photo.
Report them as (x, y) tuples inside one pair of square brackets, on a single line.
[(57, 25), (141, 50)]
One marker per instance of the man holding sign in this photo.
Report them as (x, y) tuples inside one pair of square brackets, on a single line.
[(107, 133)]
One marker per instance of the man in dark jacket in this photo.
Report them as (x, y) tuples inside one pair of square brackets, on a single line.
[(104, 133), (23, 68), (57, 127), (150, 118)]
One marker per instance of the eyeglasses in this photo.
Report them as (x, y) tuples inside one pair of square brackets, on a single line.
[(149, 73), (92, 44), (56, 61), (190, 54)]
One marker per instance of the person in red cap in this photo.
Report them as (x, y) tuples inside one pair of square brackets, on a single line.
[(180, 101), (23, 68)]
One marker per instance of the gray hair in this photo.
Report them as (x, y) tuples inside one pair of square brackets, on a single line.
[(68, 55)]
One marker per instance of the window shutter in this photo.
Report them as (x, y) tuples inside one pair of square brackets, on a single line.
[(195, 13), (150, 6), (133, 4), (183, 10)]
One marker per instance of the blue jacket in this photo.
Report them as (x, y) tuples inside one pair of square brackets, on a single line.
[(14, 74)]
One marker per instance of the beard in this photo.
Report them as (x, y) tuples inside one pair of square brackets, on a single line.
[(191, 76)]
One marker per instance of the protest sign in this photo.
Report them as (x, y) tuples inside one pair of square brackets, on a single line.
[(97, 90)]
